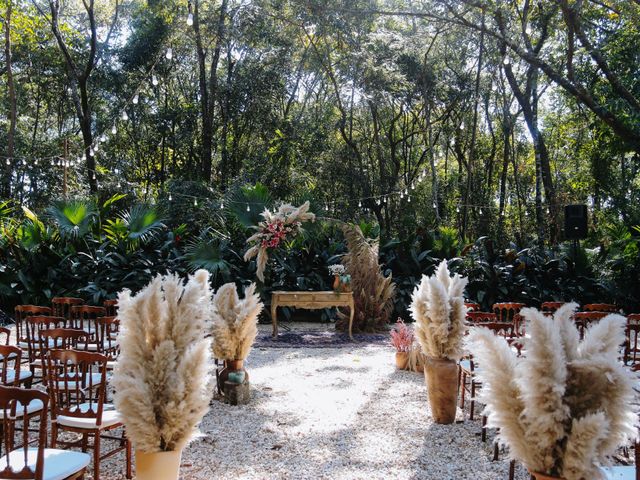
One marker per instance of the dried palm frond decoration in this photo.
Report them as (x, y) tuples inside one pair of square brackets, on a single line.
[(567, 404), (234, 326), (162, 375), (373, 292), (437, 306), (276, 228)]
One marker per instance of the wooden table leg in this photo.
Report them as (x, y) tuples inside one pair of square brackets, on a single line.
[(274, 319), (351, 315)]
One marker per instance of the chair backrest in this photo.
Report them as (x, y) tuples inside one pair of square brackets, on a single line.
[(62, 306), (551, 306), (21, 314), (77, 382), (633, 318), (481, 317), (111, 307), (631, 346), (506, 330), (472, 307), (106, 333), (6, 333), (584, 319), (62, 339), (82, 316), (10, 359), (600, 307), (13, 402), (35, 325), (507, 311)]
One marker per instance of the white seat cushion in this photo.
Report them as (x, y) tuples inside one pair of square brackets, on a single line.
[(34, 406), (110, 416), (11, 355), (58, 464), (619, 473), (111, 364), (71, 384), (24, 375)]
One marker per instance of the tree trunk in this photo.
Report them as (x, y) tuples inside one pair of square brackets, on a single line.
[(6, 184)]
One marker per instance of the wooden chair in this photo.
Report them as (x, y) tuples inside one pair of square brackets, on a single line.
[(600, 307), (551, 307), (62, 306), (633, 318), (83, 317), (61, 339), (111, 307), (10, 373), (631, 346), (509, 312), (584, 319), (77, 385), (107, 330), (21, 314), (25, 462), (35, 325), (7, 336)]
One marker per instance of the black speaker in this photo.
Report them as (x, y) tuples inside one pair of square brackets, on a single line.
[(575, 222)]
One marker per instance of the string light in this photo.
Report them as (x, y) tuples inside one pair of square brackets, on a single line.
[(481, 211), (169, 54), (154, 80), (136, 99), (195, 202), (190, 19), (114, 129), (125, 117), (457, 209), (248, 208), (408, 199), (221, 205), (103, 138), (359, 204), (170, 197)]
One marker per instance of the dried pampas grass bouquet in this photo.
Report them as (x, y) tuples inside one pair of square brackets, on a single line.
[(162, 375), (567, 404)]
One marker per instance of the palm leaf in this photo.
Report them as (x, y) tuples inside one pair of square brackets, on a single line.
[(205, 252), (142, 222), (257, 197), (73, 218)]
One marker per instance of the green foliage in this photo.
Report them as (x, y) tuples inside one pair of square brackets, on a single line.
[(248, 202), (74, 219)]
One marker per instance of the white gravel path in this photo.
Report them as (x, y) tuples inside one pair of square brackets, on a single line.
[(338, 413)]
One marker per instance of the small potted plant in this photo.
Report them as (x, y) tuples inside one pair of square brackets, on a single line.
[(402, 340), (234, 329), (437, 306), (566, 405), (163, 371)]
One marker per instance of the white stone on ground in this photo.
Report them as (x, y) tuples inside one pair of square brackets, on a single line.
[(336, 413)]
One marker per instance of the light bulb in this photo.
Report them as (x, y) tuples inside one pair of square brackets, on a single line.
[(462, 126), (434, 204), (114, 129), (480, 211), (169, 54), (457, 209), (195, 202), (136, 99), (359, 204), (506, 61), (248, 208), (154, 80), (221, 205), (91, 152), (84, 157), (401, 195), (8, 162), (93, 176), (170, 198), (526, 214), (190, 19), (408, 199), (35, 162), (103, 138), (116, 171), (125, 117)]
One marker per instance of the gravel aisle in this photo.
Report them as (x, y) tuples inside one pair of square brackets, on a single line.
[(334, 414)]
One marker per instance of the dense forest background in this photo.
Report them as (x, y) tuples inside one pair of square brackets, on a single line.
[(468, 118)]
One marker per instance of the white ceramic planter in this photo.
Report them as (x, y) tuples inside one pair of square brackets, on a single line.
[(158, 465)]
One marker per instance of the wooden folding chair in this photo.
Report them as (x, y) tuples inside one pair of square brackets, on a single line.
[(77, 385), (111, 307), (25, 462), (600, 307), (21, 314), (35, 325), (62, 306), (584, 319), (83, 317)]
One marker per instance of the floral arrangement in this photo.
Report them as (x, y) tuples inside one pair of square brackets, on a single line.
[(276, 228), (567, 404), (163, 370), (234, 326), (437, 306), (402, 337), (337, 269)]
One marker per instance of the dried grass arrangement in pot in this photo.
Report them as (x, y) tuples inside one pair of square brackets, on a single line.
[(437, 306), (402, 340), (234, 329), (566, 405), (163, 371)]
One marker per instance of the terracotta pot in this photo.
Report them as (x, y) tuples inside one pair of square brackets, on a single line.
[(441, 377), (230, 366), (402, 360), (158, 465)]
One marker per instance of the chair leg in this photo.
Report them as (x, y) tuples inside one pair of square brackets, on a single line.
[(483, 436), (128, 455), (54, 434), (96, 456), (473, 401), (496, 451), (463, 380), (512, 469), (85, 442)]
